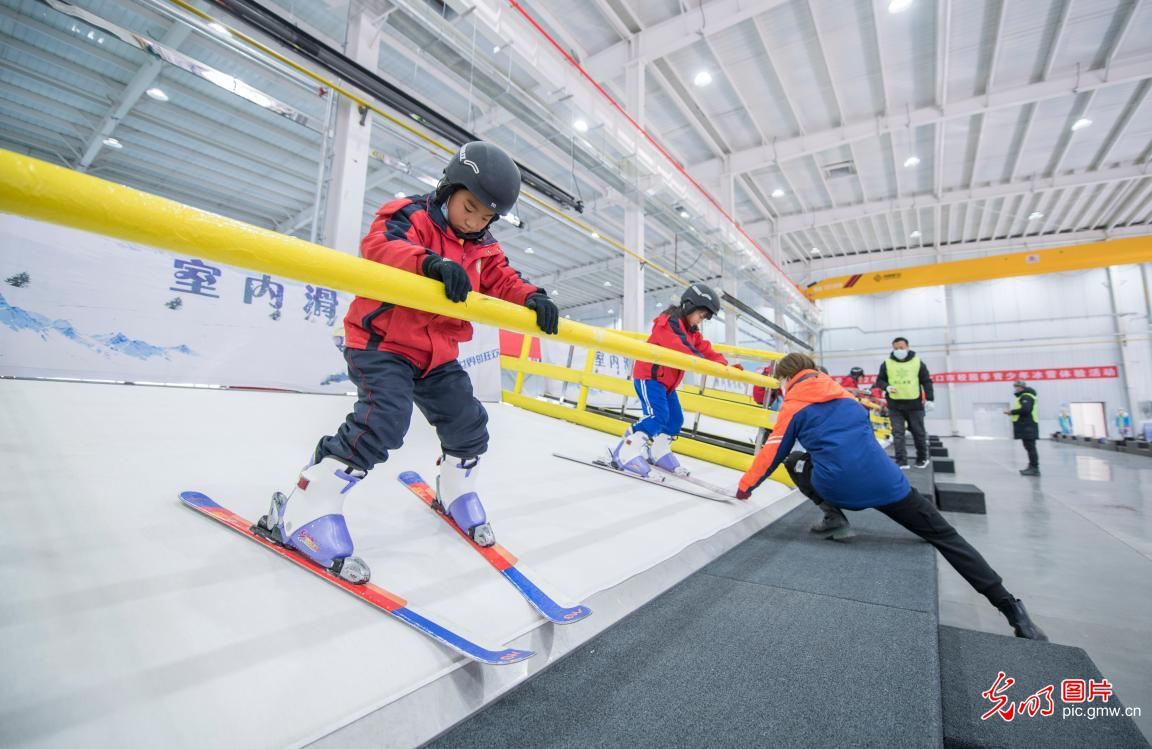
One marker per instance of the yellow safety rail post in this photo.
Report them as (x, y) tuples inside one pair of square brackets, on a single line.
[(525, 351), (589, 364)]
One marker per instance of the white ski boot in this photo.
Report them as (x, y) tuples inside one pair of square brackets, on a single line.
[(632, 453), (456, 497), (660, 455), (311, 519)]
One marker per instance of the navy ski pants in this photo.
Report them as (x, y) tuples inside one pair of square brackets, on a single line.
[(387, 385)]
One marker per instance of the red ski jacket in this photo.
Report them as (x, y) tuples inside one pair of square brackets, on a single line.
[(759, 393), (674, 334), (403, 234)]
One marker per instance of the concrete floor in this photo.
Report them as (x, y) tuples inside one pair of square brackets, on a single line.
[(1075, 545)]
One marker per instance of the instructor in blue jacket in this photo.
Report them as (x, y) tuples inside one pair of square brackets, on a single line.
[(845, 467)]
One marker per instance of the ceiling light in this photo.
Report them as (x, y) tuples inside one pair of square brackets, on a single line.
[(1081, 123), (157, 94), (529, 251), (113, 143), (219, 29), (580, 125), (607, 283), (896, 6), (567, 317), (703, 78), (651, 191), (815, 250), (1035, 215), (683, 213), (911, 161), (595, 235), (611, 311), (399, 194), (777, 193), (915, 234)]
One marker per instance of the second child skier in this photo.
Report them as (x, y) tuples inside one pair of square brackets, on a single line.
[(649, 441)]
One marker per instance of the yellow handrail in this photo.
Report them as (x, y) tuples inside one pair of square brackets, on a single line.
[(43, 191), (743, 352), (721, 409)]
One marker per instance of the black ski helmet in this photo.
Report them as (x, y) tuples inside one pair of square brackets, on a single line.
[(856, 373), (487, 172), (698, 295)]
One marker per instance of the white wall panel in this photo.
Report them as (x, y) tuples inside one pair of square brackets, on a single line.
[(1061, 320)]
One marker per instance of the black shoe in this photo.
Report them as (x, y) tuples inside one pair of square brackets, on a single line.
[(1030, 471), (923, 463), (833, 525), (1022, 624)]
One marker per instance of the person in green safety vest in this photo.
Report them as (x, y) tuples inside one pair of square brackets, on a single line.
[(904, 379), (1026, 424)]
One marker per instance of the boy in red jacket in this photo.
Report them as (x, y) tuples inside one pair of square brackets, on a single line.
[(398, 356), (650, 439)]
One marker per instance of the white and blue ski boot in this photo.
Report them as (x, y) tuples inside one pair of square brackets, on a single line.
[(456, 497), (311, 519), (632, 453), (660, 455)]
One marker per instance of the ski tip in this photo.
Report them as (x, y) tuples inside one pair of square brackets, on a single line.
[(410, 477), (573, 615), (196, 499), (506, 657)]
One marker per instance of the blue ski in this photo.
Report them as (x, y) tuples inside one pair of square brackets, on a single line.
[(500, 558)]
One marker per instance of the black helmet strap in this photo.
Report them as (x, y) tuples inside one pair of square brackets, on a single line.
[(444, 191)]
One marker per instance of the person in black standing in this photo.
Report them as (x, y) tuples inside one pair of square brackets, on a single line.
[(904, 379), (1026, 425)]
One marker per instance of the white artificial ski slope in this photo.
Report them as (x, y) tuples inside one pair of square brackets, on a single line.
[(127, 619)]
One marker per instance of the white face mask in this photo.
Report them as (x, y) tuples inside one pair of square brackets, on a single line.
[(900, 353)]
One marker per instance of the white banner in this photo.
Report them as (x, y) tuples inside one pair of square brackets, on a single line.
[(83, 306)]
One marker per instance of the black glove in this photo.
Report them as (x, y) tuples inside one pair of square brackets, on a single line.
[(547, 315), (455, 278)]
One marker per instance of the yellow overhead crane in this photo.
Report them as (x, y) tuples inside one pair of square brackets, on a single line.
[(1029, 263)]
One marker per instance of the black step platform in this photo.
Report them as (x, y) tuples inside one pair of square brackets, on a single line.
[(944, 465), (788, 640), (960, 498), (938, 452), (971, 661)]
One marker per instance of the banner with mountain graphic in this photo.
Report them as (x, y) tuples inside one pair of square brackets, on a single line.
[(75, 305)]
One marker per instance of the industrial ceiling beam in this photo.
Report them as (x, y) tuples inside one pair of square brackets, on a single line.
[(952, 197), (677, 32), (789, 149)]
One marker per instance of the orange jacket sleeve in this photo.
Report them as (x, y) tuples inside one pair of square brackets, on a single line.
[(775, 449)]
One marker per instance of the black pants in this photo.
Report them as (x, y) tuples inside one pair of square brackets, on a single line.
[(915, 422), (387, 385), (922, 518), (1030, 448)]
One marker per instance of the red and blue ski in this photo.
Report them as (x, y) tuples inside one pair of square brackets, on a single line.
[(500, 558), (659, 478), (373, 594)]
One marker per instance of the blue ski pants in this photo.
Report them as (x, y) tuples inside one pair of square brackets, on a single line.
[(662, 412)]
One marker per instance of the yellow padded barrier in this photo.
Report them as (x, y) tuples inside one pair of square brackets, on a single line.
[(46, 192)]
